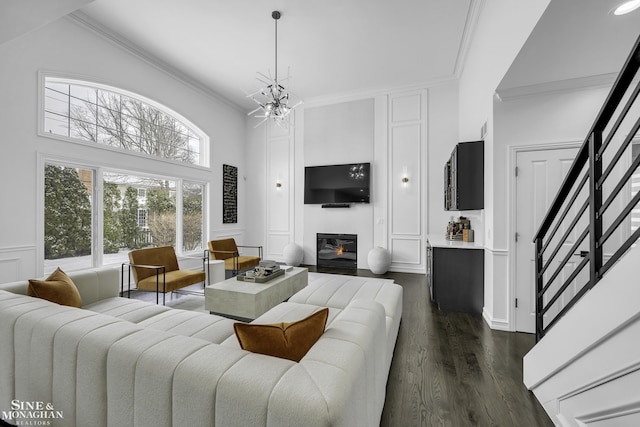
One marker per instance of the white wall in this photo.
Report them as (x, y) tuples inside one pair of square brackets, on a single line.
[(443, 136), (553, 118), (67, 48), (413, 130), (338, 134), (21, 16), (500, 33)]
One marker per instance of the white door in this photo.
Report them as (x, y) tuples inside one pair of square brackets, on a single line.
[(539, 175)]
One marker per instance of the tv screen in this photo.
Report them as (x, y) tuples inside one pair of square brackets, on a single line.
[(348, 183)]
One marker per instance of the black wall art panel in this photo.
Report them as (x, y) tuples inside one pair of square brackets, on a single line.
[(229, 194)]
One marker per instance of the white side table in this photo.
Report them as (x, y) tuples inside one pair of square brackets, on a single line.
[(215, 270)]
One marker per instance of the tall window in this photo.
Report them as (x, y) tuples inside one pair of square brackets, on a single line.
[(192, 221), (129, 220), (68, 207), (103, 115), (93, 214)]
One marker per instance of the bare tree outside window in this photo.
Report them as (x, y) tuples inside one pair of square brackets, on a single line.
[(120, 121)]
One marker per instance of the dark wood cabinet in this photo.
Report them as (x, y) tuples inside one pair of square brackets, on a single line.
[(456, 278), (464, 177)]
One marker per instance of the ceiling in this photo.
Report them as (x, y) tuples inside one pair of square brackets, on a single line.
[(573, 42), (335, 48), (330, 47)]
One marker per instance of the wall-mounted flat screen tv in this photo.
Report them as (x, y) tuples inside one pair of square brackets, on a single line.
[(338, 184)]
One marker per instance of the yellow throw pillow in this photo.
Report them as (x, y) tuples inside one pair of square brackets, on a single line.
[(285, 340), (57, 288)]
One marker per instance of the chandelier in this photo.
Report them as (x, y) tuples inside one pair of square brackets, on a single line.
[(274, 102)]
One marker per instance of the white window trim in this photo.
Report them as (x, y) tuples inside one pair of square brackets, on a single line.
[(205, 143)]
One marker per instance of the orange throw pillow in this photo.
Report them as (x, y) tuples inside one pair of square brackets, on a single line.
[(57, 288), (285, 340)]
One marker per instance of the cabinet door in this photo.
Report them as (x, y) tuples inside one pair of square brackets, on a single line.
[(470, 175), (453, 178), (458, 279), (447, 186), (430, 272)]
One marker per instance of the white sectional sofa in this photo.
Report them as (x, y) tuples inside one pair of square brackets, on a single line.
[(122, 362)]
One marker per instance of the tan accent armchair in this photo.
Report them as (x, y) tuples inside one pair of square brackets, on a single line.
[(227, 250), (156, 269)]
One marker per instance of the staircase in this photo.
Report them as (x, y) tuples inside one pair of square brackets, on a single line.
[(585, 368)]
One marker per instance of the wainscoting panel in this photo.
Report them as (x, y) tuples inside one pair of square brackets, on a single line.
[(406, 252), (279, 191), (236, 234), (278, 185), (276, 243), (9, 269), (406, 166), (406, 108), (17, 263)]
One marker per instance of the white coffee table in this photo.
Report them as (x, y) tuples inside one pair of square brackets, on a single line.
[(248, 300)]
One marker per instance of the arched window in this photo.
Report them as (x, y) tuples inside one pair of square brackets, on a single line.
[(109, 116)]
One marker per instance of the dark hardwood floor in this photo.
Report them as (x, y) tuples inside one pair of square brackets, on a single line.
[(448, 369), (451, 369)]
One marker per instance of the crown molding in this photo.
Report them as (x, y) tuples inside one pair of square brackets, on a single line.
[(111, 36), (558, 86), (473, 16)]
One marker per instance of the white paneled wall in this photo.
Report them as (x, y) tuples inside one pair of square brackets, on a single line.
[(406, 179), (339, 134), (17, 263), (388, 130), (280, 190)]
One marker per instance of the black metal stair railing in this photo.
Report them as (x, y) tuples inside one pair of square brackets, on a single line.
[(593, 213)]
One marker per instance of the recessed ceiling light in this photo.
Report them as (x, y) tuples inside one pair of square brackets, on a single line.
[(626, 7)]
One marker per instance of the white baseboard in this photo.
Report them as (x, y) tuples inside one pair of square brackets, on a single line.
[(498, 324)]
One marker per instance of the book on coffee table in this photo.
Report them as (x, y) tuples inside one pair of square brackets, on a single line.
[(264, 279)]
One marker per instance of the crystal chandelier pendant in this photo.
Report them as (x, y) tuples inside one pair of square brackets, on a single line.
[(274, 101)]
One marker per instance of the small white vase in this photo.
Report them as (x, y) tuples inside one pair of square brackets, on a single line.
[(292, 254), (379, 260)]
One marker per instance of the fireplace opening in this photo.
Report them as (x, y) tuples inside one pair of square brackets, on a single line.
[(337, 251)]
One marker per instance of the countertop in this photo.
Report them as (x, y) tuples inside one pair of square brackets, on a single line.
[(441, 242)]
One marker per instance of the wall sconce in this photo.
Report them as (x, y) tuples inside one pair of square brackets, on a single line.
[(405, 176)]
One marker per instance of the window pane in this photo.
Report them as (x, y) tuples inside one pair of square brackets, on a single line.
[(109, 100), (192, 225), (53, 123), (57, 100), (67, 218), (84, 93), (117, 120), (130, 136), (142, 218), (161, 206), (83, 119), (107, 137), (138, 212)]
